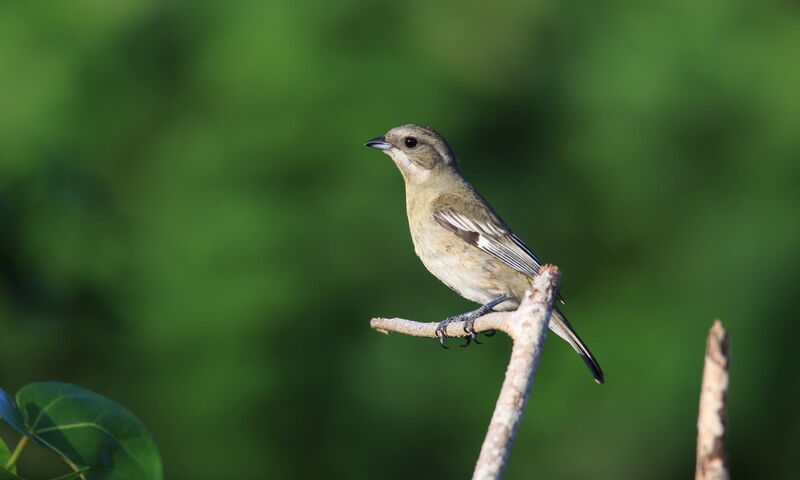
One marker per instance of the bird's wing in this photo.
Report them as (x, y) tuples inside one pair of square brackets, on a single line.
[(481, 228)]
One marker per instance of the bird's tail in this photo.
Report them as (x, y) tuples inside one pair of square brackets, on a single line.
[(560, 325)]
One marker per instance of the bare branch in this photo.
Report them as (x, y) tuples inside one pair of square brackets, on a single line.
[(490, 321), (527, 327), (712, 458)]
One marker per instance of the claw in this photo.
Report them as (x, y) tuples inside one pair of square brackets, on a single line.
[(440, 333), (469, 329), (469, 323)]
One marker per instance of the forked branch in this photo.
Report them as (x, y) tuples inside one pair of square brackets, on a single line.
[(527, 327)]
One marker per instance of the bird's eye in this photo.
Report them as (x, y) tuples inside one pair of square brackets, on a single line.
[(411, 142)]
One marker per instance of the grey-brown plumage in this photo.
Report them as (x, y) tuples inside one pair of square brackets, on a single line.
[(458, 236)]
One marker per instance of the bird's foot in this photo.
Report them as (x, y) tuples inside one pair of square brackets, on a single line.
[(469, 322), (442, 327)]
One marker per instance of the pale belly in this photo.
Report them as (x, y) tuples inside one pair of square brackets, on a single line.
[(474, 274)]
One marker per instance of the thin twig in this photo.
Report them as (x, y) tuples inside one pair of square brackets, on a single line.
[(712, 458), (527, 327), (12, 460)]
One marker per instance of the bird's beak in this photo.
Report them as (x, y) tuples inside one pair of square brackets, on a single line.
[(378, 142)]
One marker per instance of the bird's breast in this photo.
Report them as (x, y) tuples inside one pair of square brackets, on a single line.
[(474, 274)]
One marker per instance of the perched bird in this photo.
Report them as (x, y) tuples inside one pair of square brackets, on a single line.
[(459, 237)]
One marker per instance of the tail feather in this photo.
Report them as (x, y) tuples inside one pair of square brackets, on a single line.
[(562, 328)]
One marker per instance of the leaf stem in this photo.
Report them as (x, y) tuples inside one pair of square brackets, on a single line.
[(12, 460)]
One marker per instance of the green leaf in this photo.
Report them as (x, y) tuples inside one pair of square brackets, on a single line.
[(72, 475), (6, 475), (5, 454), (88, 429), (10, 412)]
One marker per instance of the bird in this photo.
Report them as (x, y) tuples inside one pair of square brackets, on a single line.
[(459, 237)]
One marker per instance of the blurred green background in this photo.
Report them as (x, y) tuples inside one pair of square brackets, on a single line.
[(190, 225)]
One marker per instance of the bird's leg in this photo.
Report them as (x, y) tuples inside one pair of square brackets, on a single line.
[(469, 321)]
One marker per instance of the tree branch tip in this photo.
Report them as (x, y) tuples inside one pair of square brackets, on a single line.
[(718, 343), (717, 328), (549, 268), (718, 332), (375, 324)]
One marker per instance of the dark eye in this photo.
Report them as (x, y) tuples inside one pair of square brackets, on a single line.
[(411, 142)]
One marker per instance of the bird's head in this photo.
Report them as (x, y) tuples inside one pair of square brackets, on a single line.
[(418, 151)]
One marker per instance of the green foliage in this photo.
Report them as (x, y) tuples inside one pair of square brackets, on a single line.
[(75, 474), (87, 430), (8, 475), (188, 220), (5, 454)]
